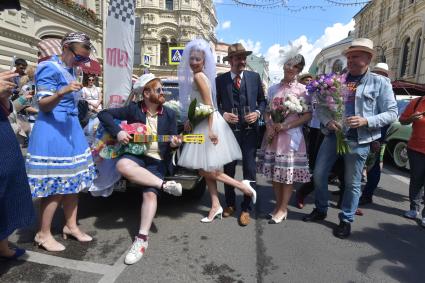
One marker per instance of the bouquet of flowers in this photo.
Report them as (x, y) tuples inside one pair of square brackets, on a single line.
[(329, 95), (198, 112), (176, 106), (281, 107)]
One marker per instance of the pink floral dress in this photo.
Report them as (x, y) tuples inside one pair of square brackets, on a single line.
[(284, 159)]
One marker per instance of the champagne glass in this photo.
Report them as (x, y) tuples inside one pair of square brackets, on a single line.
[(245, 111), (236, 112), (78, 71)]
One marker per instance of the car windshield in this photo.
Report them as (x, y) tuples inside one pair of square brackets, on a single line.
[(401, 104)]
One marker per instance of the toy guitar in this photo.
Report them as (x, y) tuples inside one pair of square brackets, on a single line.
[(192, 138)]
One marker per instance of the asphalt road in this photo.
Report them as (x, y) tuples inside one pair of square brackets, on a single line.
[(384, 247)]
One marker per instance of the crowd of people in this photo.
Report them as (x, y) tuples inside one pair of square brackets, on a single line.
[(59, 162)]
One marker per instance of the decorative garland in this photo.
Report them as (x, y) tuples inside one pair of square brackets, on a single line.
[(78, 9), (270, 4)]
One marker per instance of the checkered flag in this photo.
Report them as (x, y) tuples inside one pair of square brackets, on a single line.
[(122, 10)]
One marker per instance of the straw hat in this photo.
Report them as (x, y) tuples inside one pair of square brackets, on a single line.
[(383, 68), (360, 44), (236, 49), (305, 75)]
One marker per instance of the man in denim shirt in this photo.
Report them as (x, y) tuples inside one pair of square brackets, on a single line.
[(369, 105)]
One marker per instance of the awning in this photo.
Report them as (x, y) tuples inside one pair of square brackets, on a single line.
[(408, 88), (52, 46)]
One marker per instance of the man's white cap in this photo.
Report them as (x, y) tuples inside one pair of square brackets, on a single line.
[(142, 81)]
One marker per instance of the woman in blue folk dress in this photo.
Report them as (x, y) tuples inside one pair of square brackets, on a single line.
[(59, 161)]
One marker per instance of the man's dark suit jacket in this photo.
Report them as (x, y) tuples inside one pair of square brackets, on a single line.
[(133, 113), (251, 85)]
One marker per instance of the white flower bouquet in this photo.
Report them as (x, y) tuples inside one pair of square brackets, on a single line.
[(198, 112)]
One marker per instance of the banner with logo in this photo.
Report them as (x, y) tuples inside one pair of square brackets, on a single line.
[(119, 52)]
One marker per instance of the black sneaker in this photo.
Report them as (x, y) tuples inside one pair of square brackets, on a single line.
[(315, 215), (343, 230), (365, 200)]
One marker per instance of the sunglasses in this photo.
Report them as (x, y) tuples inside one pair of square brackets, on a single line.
[(80, 58), (158, 90), (90, 80)]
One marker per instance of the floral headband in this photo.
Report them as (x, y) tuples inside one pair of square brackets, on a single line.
[(79, 37)]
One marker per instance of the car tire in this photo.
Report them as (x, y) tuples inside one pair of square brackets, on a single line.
[(400, 157), (197, 192)]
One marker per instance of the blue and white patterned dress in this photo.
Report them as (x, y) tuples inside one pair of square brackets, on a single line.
[(16, 210), (59, 160)]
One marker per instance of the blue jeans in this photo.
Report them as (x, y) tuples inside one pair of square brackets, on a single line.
[(354, 162)]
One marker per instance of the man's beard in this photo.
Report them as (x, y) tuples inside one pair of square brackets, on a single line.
[(156, 99)]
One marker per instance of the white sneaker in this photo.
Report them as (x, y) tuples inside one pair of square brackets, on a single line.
[(411, 214), (136, 252), (172, 188)]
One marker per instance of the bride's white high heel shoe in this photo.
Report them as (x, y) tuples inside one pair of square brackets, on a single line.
[(218, 213), (254, 193)]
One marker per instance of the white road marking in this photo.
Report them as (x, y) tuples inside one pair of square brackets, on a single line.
[(61, 262), (397, 176), (114, 271)]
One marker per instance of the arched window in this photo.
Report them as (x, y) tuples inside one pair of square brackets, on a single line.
[(169, 5), (164, 52), (337, 66), (173, 42), (404, 57), (383, 57), (417, 49)]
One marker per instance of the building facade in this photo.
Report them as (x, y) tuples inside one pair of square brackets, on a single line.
[(169, 23), (396, 28), (21, 31), (261, 66), (221, 49), (330, 58)]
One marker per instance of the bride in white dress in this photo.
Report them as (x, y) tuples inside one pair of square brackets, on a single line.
[(197, 80)]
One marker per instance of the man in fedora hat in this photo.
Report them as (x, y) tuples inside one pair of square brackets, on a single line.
[(369, 106), (238, 90), (305, 78)]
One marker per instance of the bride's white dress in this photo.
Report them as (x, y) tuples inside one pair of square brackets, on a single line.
[(208, 156)]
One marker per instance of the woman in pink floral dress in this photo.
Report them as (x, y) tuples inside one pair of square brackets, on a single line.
[(282, 158)]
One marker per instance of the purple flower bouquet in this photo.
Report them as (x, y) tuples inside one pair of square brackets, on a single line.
[(328, 93)]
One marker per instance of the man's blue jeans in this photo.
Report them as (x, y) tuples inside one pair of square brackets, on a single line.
[(354, 162)]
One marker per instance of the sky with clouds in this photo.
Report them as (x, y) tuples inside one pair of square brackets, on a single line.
[(266, 31)]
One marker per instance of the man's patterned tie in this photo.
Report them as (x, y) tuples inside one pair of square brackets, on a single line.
[(237, 82)]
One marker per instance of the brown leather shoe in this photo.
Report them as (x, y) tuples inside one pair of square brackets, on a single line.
[(228, 211), (244, 218)]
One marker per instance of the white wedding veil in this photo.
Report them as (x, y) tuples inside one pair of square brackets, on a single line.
[(185, 74)]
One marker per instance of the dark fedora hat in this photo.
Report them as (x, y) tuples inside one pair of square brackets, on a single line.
[(236, 49)]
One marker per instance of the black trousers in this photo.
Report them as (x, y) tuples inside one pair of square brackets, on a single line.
[(247, 139)]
